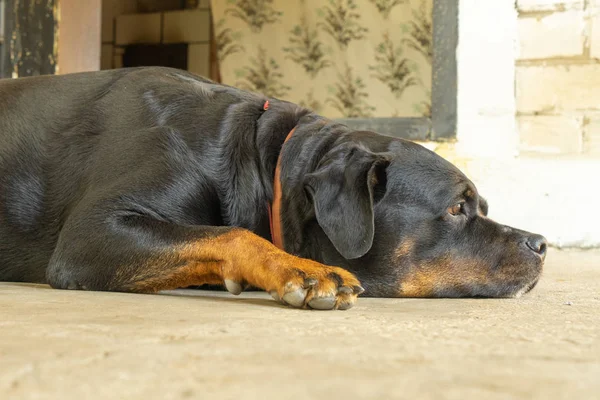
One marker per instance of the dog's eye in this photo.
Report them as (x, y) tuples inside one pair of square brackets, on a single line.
[(456, 209)]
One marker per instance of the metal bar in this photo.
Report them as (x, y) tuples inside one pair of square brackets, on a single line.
[(442, 124), (444, 69), (406, 128)]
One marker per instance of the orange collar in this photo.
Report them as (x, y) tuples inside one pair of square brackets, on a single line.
[(275, 207)]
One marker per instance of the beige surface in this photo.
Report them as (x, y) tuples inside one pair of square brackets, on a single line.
[(78, 345), (340, 58), (186, 26)]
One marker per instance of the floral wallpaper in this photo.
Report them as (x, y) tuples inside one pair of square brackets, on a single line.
[(341, 58)]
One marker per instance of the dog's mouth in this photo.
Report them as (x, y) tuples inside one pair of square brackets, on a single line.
[(514, 295), (527, 288), (533, 284)]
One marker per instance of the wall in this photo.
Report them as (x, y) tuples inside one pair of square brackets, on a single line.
[(111, 9), (527, 102), (126, 22), (558, 76), (344, 58)]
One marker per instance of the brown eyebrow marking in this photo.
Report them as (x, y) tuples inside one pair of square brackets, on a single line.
[(404, 248)]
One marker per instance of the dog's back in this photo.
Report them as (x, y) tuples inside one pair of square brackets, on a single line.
[(58, 133)]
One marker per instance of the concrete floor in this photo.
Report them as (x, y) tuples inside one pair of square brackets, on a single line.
[(189, 344)]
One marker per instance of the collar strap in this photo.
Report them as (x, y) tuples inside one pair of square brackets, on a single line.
[(275, 207)]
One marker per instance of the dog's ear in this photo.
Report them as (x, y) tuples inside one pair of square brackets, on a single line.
[(343, 189), (483, 206)]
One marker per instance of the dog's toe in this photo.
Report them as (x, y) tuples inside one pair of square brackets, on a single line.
[(345, 305), (322, 303), (233, 287), (295, 298)]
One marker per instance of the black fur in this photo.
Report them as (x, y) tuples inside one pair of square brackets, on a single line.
[(96, 168)]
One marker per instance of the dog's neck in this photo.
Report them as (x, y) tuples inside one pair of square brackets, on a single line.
[(313, 137), (272, 128), (249, 144), (300, 155)]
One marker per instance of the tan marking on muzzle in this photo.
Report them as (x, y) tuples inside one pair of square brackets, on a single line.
[(427, 279)]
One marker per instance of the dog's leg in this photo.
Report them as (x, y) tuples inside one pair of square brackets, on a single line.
[(140, 254)]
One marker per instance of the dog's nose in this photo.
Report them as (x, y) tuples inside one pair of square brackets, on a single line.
[(538, 244)]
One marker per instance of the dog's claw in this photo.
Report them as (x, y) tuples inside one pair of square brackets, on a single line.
[(315, 286), (322, 303), (233, 287), (358, 290), (345, 290)]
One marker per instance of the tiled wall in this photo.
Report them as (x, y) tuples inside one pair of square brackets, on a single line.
[(126, 22), (558, 76)]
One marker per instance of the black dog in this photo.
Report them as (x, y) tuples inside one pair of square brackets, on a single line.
[(148, 179)]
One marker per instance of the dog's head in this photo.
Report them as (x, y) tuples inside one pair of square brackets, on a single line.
[(407, 222)]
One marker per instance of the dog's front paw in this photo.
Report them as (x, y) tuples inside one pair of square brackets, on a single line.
[(303, 283)]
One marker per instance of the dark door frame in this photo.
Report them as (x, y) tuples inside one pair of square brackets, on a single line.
[(441, 125), (28, 46), (42, 37)]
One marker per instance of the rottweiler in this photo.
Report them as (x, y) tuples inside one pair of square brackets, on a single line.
[(148, 179)]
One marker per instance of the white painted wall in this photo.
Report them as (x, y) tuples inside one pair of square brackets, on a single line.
[(486, 74), (556, 196)]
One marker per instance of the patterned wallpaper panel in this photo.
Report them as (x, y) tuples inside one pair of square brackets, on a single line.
[(341, 58)]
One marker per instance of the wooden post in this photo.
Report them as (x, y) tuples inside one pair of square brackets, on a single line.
[(79, 36)]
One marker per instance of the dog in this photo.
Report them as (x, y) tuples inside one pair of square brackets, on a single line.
[(149, 179)]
